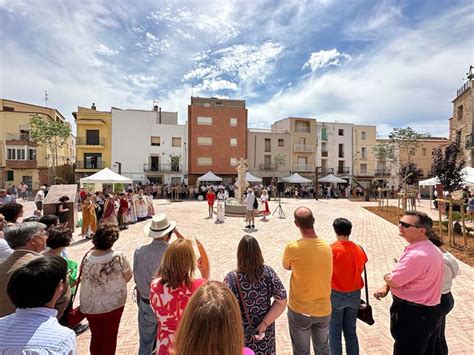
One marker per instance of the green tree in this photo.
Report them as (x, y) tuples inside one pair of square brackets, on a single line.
[(279, 160), (411, 173), (175, 160), (53, 134)]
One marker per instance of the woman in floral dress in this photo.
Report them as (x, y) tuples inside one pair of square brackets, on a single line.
[(258, 284), (171, 290)]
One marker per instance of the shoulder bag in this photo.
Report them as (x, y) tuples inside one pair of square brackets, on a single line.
[(365, 309), (75, 316)]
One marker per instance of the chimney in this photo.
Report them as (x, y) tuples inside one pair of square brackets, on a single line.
[(93, 106)]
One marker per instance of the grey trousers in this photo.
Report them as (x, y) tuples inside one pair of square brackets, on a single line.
[(303, 328)]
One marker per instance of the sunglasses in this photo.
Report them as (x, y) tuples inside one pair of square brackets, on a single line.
[(406, 225)]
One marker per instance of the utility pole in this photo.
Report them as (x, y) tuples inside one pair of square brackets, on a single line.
[(316, 187)]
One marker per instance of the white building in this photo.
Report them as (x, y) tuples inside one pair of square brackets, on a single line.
[(334, 149), (149, 145)]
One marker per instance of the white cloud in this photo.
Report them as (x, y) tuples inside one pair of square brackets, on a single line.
[(216, 85), (104, 50), (323, 58)]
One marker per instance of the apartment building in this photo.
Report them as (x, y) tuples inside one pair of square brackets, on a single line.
[(156, 152), (217, 137), (93, 140), (269, 154), (334, 147), (364, 139), (461, 124), (302, 143), (21, 159)]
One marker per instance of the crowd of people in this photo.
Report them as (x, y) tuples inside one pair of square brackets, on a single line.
[(182, 314)]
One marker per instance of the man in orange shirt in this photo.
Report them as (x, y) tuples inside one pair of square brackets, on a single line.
[(348, 264)]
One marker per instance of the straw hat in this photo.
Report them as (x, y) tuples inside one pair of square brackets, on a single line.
[(159, 226)]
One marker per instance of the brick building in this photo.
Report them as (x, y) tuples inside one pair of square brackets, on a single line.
[(217, 137)]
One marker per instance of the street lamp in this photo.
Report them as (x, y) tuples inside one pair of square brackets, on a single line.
[(316, 188), (119, 164)]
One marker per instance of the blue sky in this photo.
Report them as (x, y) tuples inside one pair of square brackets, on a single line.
[(384, 63)]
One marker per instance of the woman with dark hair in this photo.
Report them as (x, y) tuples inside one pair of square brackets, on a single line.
[(105, 274), (255, 284), (61, 211), (58, 239), (211, 323), (451, 270), (12, 211)]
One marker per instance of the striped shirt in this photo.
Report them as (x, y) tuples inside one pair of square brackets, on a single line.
[(35, 331)]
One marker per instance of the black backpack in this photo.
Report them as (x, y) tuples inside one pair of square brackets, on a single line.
[(255, 204)]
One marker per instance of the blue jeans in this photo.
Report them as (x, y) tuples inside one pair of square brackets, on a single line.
[(147, 327), (345, 306)]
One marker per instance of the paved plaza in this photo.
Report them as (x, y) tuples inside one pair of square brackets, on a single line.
[(379, 238)]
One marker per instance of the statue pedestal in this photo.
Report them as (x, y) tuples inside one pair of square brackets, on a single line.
[(234, 207)]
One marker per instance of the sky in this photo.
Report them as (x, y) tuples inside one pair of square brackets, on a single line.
[(385, 63)]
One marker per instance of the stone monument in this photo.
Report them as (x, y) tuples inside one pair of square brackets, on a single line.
[(235, 206)]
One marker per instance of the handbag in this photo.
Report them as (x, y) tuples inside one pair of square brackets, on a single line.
[(365, 309), (250, 331), (75, 316)]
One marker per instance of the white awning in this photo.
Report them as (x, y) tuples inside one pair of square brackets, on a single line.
[(333, 179), (296, 179), (106, 176), (209, 176), (250, 178)]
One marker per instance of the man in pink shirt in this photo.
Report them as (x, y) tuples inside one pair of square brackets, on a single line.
[(415, 283)]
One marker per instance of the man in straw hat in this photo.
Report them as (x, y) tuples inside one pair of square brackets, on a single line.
[(146, 261)]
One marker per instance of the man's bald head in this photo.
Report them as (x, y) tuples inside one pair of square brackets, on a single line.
[(304, 218)]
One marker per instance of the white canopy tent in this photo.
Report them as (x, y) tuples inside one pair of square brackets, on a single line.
[(332, 179), (209, 176), (296, 179), (429, 182), (250, 178), (105, 176)]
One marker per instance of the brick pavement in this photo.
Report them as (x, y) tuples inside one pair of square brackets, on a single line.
[(379, 238)]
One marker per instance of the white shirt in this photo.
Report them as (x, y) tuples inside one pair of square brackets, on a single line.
[(451, 270), (39, 196), (5, 250), (249, 200)]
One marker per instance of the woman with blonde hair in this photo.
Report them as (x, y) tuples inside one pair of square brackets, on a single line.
[(172, 288), (211, 324), (255, 284)]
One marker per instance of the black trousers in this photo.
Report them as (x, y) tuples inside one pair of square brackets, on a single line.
[(446, 305), (415, 328)]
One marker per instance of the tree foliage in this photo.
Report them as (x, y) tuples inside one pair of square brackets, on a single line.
[(175, 160), (411, 173), (53, 134), (279, 160), (447, 168)]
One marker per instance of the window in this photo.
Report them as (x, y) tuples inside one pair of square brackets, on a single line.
[(176, 142), (93, 161), (302, 127), (204, 120), (31, 154), (204, 140), (423, 151), (268, 145), (324, 149), (267, 159), (233, 122), (233, 162), (92, 137), (233, 142), (460, 112), (28, 180), (155, 141), (341, 150), (11, 154), (340, 167), (324, 134), (10, 175), (363, 153), (363, 135), (281, 142), (341, 132), (363, 168), (204, 161), (18, 154)]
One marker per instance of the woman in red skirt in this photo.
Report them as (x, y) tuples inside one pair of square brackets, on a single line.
[(210, 197), (264, 199)]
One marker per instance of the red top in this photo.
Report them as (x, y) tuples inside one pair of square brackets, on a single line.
[(211, 197), (123, 206), (348, 264)]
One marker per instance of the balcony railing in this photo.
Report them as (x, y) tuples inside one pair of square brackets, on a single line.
[(305, 148), (18, 137), (325, 171), (343, 170), (268, 167), (90, 165), (364, 173), (302, 129), (382, 172), (90, 141), (324, 153), (303, 167), (150, 168)]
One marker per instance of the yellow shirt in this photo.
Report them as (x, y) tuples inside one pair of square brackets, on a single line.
[(310, 261)]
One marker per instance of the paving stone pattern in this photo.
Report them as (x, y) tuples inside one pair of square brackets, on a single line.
[(379, 238)]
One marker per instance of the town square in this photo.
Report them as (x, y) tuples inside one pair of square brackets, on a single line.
[(237, 178)]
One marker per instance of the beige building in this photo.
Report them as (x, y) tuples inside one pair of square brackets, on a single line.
[(364, 139), (461, 124), (94, 140), (21, 159), (268, 153), (302, 131)]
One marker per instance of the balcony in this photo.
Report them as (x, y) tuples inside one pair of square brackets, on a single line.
[(324, 154), (162, 168), (90, 141), (90, 166), (21, 164), (303, 167), (343, 170), (303, 148), (19, 137), (364, 173), (326, 171), (268, 167), (382, 172), (302, 129)]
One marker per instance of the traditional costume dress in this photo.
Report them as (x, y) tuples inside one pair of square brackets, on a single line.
[(264, 199), (110, 215), (89, 219), (151, 209), (141, 206), (132, 208)]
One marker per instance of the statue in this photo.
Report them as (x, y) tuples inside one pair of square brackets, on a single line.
[(241, 183)]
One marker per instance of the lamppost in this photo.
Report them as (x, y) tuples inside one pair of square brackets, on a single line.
[(119, 164), (316, 187)]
